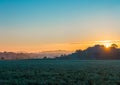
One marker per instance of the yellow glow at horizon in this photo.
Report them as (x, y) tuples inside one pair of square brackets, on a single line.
[(56, 46), (107, 45)]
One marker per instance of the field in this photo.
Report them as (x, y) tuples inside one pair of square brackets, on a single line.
[(60, 72)]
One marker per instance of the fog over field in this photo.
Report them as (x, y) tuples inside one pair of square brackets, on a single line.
[(38, 55)]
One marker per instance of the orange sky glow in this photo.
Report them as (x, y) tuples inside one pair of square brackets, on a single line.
[(60, 46), (48, 25)]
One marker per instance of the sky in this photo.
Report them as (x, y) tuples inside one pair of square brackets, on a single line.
[(44, 25)]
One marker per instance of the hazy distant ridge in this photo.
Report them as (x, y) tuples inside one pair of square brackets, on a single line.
[(50, 54)]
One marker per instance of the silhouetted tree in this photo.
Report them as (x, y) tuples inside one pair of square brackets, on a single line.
[(2, 58), (78, 51), (45, 57), (114, 46)]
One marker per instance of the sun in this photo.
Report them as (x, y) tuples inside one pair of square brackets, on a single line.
[(107, 45)]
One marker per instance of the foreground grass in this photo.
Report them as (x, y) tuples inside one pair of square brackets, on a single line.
[(60, 72)]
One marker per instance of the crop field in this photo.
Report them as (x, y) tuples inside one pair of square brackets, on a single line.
[(60, 72)]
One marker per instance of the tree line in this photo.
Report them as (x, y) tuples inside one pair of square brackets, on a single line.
[(97, 52)]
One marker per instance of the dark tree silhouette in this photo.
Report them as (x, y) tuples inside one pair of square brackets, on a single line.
[(114, 45), (2, 58), (96, 52), (78, 51)]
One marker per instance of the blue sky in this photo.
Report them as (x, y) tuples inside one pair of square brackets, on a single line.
[(28, 24)]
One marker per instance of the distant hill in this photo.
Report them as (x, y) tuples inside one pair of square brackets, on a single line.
[(47, 54), (52, 54), (97, 52)]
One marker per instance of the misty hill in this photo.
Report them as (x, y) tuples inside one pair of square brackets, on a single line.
[(97, 52), (52, 54), (49, 54)]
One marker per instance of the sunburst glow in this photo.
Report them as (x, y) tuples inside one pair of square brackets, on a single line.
[(107, 45)]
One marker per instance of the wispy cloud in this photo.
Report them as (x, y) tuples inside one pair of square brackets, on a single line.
[(83, 43), (97, 42), (108, 41)]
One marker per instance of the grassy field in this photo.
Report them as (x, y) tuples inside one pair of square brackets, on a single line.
[(60, 72)]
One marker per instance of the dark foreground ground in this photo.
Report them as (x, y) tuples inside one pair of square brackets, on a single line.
[(60, 72)]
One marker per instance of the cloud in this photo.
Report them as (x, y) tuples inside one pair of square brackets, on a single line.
[(96, 42), (83, 43), (108, 41)]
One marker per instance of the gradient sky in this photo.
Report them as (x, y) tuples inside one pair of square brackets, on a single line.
[(42, 25)]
